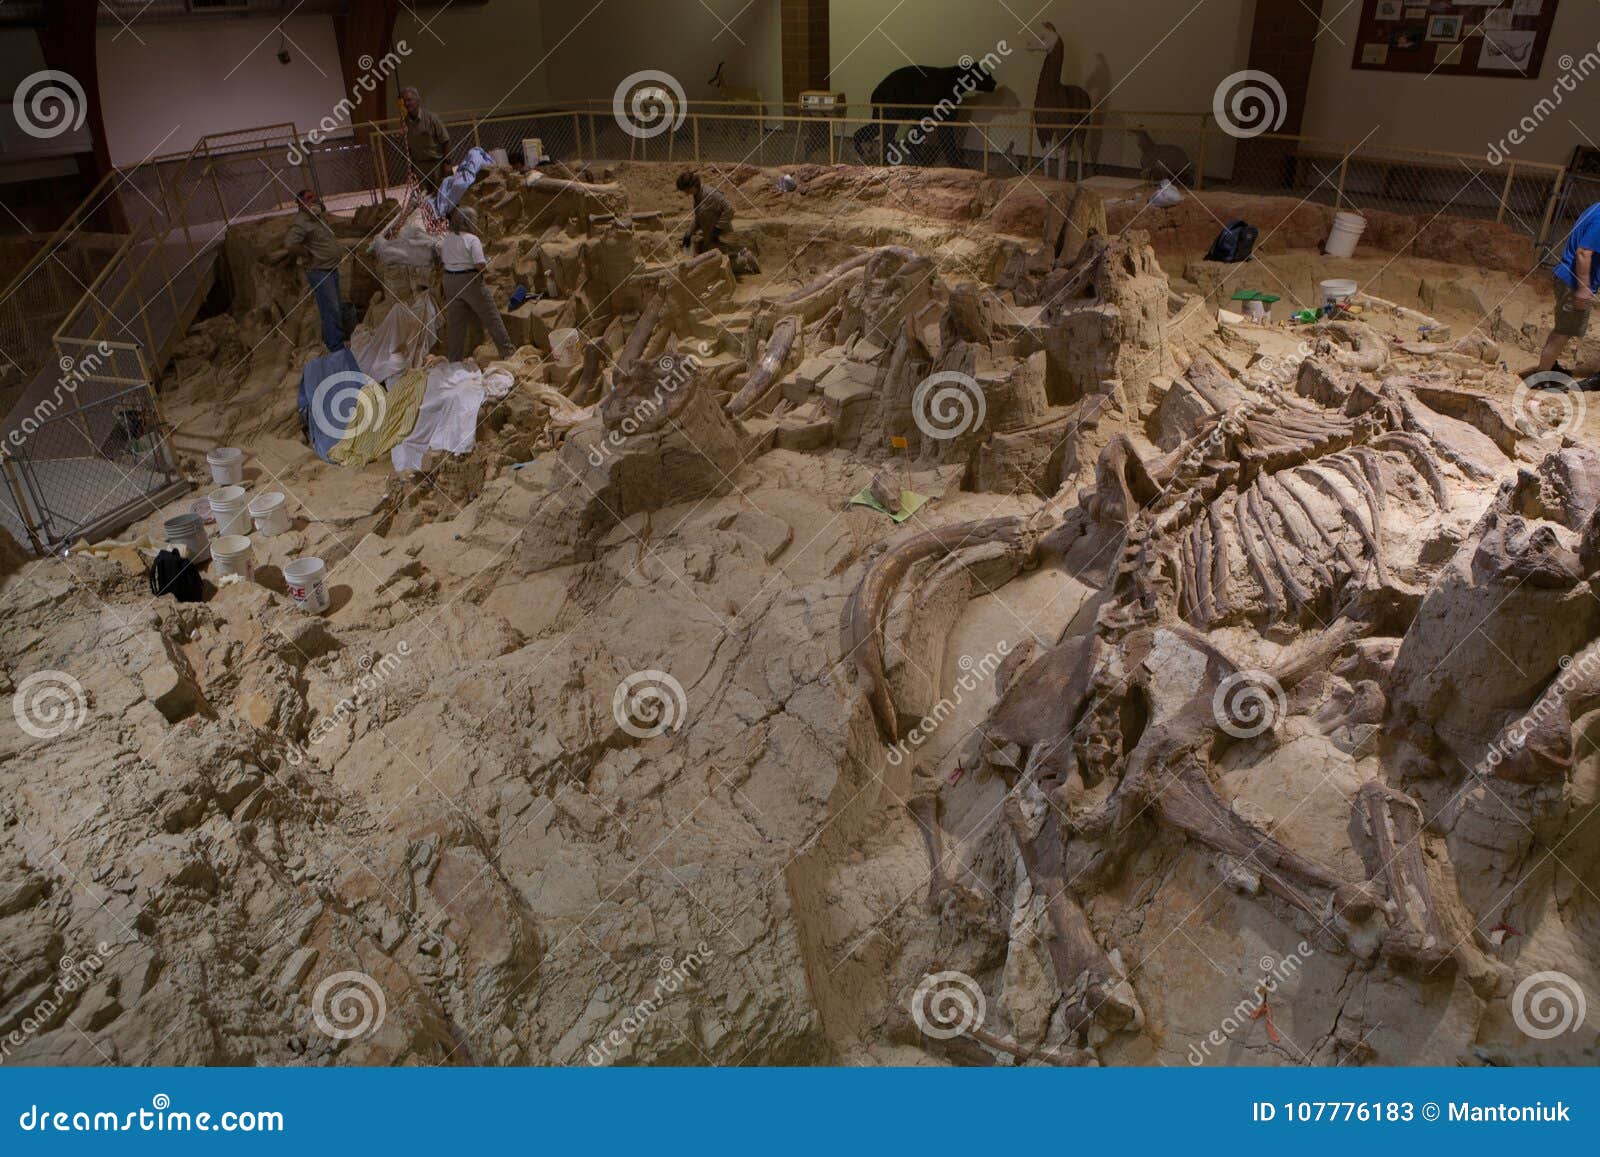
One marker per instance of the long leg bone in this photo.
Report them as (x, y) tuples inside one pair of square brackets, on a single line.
[(1393, 822)]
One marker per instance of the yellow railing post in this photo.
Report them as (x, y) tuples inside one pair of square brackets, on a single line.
[(696, 119), (1338, 196), (1550, 206), (1200, 160), (1505, 192)]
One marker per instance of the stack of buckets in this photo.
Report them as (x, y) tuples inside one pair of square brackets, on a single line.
[(231, 551)]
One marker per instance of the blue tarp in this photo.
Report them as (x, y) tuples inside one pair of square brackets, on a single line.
[(329, 386)]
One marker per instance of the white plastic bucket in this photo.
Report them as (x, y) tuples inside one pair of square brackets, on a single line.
[(1336, 292), (227, 465), (564, 344), (307, 584), (233, 514), (232, 554), (1346, 232), (270, 513), (187, 531)]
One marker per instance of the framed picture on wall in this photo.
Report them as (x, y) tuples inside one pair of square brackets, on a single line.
[(1444, 28), (1479, 38)]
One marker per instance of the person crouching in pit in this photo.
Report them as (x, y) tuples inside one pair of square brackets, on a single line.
[(713, 214), (465, 294)]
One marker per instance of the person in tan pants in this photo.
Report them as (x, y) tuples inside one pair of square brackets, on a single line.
[(465, 294)]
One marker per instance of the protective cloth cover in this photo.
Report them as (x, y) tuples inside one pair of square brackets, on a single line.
[(448, 419)]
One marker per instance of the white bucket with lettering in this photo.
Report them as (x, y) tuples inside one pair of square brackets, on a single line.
[(306, 580), (227, 465), (231, 509), (232, 554), (1347, 228), (270, 513)]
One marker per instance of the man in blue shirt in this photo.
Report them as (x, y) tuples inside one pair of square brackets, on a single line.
[(1577, 280)]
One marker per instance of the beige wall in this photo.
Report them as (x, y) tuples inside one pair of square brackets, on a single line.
[(591, 54), (1455, 113), (476, 58), (1160, 55), (176, 82)]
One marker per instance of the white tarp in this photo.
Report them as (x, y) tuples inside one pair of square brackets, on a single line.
[(399, 341), (448, 419)]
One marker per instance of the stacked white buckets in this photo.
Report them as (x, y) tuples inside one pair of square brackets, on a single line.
[(237, 516)]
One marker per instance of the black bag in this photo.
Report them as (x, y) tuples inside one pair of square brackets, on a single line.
[(172, 574), (1235, 243)]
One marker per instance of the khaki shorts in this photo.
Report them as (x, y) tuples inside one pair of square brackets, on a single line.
[(1570, 320)]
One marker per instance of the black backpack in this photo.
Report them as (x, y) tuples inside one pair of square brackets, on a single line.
[(1235, 243), (172, 574)]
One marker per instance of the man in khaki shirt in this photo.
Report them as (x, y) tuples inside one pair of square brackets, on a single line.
[(427, 140), (311, 236)]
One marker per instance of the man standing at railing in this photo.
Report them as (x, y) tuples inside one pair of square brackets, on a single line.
[(1577, 281), (311, 236), (427, 141)]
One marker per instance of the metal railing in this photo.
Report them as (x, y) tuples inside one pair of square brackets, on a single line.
[(85, 450)]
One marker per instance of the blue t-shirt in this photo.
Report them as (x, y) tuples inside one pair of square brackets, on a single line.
[(1585, 235)]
